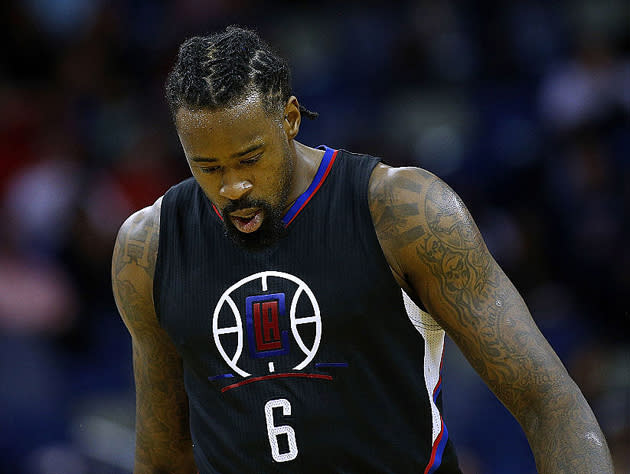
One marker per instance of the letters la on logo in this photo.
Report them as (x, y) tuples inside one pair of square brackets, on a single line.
[(272, 318), (263, 315)]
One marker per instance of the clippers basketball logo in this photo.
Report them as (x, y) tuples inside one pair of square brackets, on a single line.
[(265, 323), (263, 314)]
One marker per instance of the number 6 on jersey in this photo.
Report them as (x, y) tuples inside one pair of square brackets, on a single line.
[(274, 431)]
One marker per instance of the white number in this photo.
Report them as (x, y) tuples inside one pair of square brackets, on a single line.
[(274, 431)]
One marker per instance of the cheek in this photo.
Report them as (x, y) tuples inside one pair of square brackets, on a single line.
[(267, 187), (268, 178), (209, 184)]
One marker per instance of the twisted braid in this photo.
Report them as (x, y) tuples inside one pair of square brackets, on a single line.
[(216, 71)]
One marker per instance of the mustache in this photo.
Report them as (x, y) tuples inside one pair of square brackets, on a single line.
[(244, 203)]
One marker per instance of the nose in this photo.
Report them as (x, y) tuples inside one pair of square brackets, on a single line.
[(234, 187)]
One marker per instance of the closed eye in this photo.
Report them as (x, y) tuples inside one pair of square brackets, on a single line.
[(208, 169), (252, 160)]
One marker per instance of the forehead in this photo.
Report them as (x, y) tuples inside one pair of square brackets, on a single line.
[(201, 129)]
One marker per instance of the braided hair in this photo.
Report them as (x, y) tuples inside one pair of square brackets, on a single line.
[(216, 71)]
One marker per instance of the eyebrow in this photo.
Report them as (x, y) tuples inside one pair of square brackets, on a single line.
[(255, 147)]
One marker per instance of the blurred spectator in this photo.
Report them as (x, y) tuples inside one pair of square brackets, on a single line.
[(523, 107)]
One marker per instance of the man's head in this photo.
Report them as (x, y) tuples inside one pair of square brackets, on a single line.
[(230, 97)]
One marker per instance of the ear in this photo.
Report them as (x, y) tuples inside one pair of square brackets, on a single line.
[(292, 118)]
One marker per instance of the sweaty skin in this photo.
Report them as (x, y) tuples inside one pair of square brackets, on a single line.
[(436, 254), (163, 442), (436, 250)]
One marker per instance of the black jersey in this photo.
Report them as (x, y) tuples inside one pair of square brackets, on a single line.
[(306, 356)]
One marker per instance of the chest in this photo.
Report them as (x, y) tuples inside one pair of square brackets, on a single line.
[(280, 309)]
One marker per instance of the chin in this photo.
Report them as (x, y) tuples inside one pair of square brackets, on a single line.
[(266, 236)]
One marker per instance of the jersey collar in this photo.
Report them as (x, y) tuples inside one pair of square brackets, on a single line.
[(325, 166)]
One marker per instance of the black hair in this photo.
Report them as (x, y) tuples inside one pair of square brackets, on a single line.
[(216, 71)]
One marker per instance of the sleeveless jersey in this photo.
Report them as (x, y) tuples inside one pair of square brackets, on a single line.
[(306, 356)]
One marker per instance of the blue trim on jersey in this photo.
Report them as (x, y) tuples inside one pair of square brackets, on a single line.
[(440, 450), (297, 205), (331, 364), (219, 377), (437, 390)]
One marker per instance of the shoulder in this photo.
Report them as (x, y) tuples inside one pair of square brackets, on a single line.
[(412, 208), (138, 236), (390, 185), (407, 192), (133, 262), (142, 221), (397, 198)]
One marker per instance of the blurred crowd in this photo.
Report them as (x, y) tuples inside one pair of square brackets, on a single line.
[(523, 107)]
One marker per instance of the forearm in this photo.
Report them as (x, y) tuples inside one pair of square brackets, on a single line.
[(163, 441), (160, 449), (565, 436), (508, 351), (160, 446), (182, 464)]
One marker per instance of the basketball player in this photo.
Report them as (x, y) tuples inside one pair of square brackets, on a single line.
[(274, 299)]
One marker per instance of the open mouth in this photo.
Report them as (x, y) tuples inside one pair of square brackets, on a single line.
[(247, 220)]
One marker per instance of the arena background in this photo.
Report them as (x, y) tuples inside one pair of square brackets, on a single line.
[(521, 106)]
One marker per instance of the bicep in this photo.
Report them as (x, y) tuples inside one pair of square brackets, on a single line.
[(452, 271), (467, 292)]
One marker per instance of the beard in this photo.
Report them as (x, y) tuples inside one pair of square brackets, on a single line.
[(272, 228), (270, 231)]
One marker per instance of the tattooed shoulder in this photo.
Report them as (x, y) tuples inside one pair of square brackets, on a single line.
[(133, 262), (395, 196), (137, 240), (424, 227), (395, 204)]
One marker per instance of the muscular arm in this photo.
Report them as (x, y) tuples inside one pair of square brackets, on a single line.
[(436, 251), (163, 443)]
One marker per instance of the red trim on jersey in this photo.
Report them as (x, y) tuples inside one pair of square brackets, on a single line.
[(427, 470), (275, 376), (437, 388), (440, 442), (217, 211)]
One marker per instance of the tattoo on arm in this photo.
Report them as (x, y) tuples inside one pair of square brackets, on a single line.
[(443, 257), (467, 284), (138, 247), (391, 217), (163, 442)]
